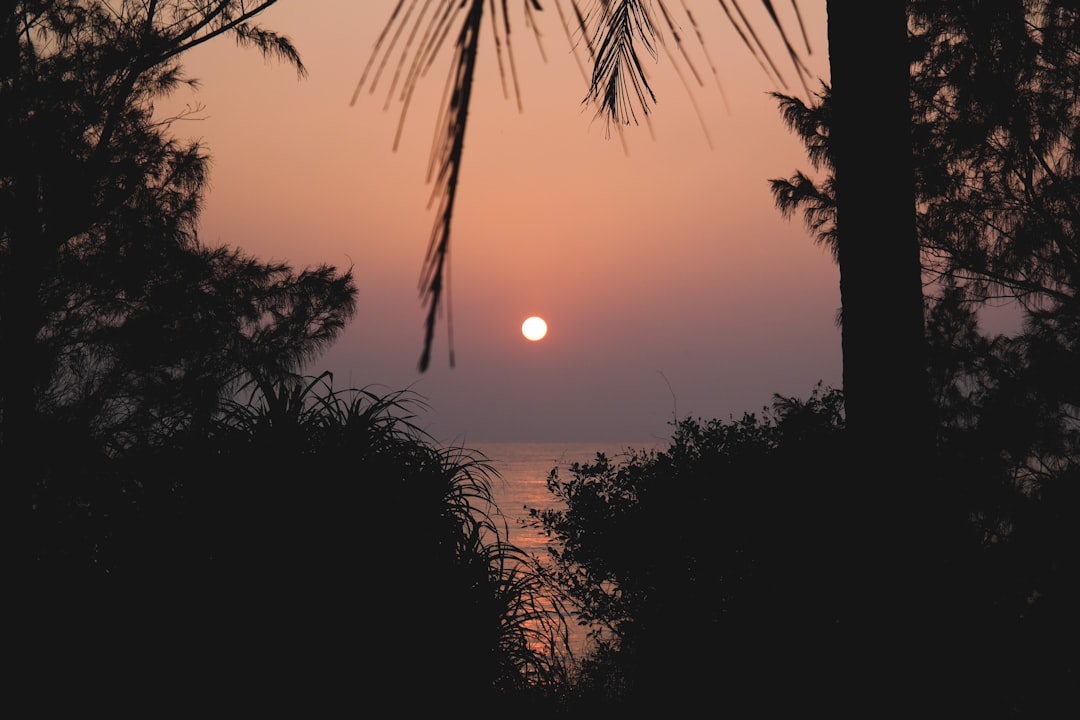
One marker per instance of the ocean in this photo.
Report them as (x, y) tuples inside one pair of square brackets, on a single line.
[(523, 469)]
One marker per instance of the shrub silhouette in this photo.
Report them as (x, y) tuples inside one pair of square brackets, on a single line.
[(309, 550), (706, 568), (729, 570)]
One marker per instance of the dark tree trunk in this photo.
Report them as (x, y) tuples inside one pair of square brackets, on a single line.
[(885, 561), (885, 381)]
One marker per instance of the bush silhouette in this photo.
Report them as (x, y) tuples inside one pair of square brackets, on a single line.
[(706, 568), (306, 550)]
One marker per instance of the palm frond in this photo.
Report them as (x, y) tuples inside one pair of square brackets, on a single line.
[(625, 31), (619, 82), (615, 35)]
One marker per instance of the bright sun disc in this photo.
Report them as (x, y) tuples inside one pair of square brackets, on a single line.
[(534, 328)]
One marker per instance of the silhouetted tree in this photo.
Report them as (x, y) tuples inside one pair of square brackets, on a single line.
[(994, 105), (705, 568), (994, 108), (147, 349), (115, 320)]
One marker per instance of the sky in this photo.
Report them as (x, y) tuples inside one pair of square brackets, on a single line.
[(671, 284)]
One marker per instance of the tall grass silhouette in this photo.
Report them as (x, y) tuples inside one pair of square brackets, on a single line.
[(310, 546), (370, 494)]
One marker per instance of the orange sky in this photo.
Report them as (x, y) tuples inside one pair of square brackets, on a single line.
[(670, 283)]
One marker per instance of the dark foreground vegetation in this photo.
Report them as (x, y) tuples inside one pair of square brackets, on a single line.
[(301, 552), (193, 524), (729, 570)]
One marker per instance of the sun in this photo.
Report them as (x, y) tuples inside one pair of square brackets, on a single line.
[(534, 328)]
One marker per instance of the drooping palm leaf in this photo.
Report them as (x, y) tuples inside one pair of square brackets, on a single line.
[(615, 34)]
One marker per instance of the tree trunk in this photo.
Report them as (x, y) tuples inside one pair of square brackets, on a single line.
[(884, 560), (885, 381)]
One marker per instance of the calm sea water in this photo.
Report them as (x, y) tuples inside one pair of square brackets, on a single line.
[(524, 469), (522, 484)]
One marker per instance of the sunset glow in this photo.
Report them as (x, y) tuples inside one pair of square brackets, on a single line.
[(658, 247)]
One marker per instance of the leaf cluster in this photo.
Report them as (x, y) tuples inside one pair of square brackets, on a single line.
[(708, 543), (118, 323)]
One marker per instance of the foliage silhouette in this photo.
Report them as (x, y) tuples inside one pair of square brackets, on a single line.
[(117, 323), (705, 569), (716, 572), (220, 549), (86, 163), (996, 183), (446, 592), (308, 547), (993, 107)]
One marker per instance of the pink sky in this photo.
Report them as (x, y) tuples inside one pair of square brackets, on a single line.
[(670, 283)]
